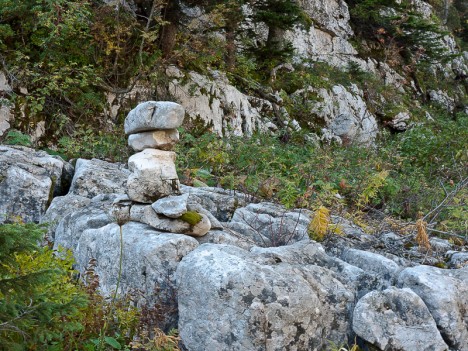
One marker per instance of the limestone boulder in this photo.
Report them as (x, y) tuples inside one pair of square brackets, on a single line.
[(149, 261), (154, 115), (160, 139), (268, 224), (444, 293), (96, 214), (28, 181), (396, 319), (95, 177), (59, 208), (345, 114), (380, 265), (231, 299), (458, 259), (153, 175)]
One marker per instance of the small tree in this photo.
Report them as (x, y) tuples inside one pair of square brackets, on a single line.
[(38, 302)]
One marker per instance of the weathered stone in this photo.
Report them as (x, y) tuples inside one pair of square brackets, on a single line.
[(160, 139), (96, 214), (444, 293), (216, 102), (440, 97), (372, 262), (345, 114), (59, 208), (396, 319), (94, 177), (6, 116), (220, 202), (154, 115), (458, 259), (400, 121), (28, 181), (269, 224), (227, 237), (147, 215), (153, 175), (149, 261), (229, 299), (171, 206)]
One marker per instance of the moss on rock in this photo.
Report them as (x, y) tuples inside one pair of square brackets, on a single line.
[(191, 217)]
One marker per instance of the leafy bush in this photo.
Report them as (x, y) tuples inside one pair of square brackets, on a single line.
[(44, 307)]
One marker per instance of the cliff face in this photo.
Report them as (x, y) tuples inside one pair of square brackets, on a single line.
[(340, 69)]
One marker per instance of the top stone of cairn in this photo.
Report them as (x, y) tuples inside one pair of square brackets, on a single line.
[(154, 115)]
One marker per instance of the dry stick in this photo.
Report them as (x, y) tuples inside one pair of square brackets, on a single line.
[(450, 196)]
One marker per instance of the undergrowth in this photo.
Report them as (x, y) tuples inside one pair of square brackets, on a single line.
[(44, 307), (402, 176)]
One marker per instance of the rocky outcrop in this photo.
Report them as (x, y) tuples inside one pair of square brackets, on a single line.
[(235, 275), (217, 103), (345, 114), (28, 182), (6, 116), (444, 294)]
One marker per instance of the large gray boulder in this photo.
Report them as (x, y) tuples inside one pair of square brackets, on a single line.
[(154, 115), (59, 208), (149, 261), (445, 294), (397, 319), (231, 299), (96, 214), (94, 177), (28, 181), (268, 224)]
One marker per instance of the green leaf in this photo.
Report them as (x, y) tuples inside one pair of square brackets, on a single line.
[(112, 342)]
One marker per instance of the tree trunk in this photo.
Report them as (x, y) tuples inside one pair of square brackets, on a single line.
[(168, 36), (231, 46), (276, 38)]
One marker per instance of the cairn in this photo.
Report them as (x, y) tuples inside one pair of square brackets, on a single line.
[(153, 185)]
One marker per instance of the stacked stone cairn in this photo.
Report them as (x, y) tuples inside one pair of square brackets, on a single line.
[(153, 185)]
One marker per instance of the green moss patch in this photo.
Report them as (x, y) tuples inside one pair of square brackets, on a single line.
[(191, 217)]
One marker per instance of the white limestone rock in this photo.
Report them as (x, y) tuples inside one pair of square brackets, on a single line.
[(397, 319), (153, 175), (160, 139), (217, 103), (94, 177), (346, 115), (149, 262), (231, 299), (28, 181), (154, 115), (444, 292), (171, 206)]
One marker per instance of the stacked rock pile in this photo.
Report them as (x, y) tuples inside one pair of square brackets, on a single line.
[(153, 185)]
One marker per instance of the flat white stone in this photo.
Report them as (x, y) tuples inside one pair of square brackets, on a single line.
[(160, 139), (171, 206)]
